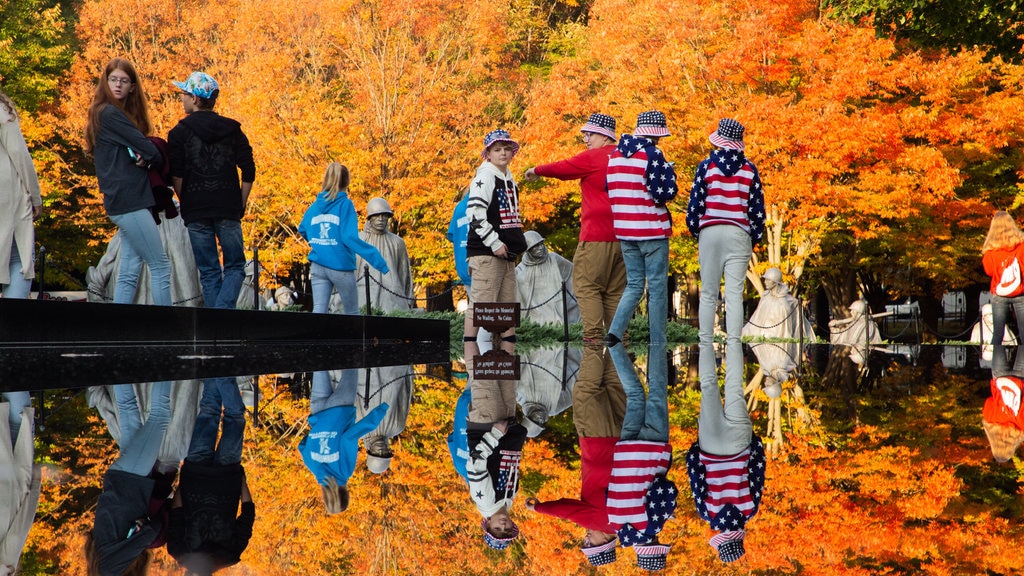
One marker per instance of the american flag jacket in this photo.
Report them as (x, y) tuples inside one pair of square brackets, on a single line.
[(727, 190), (730, 493)]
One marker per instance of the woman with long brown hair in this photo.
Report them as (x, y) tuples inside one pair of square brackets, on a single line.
[(1002, 257), (115, 135)]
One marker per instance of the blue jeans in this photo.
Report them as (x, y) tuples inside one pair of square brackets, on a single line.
[(646, 414), (325, 279), (218, 393), (646, 261), (19, 286), (324, 395), (140, 242), (140, 443), (1001, 306), (221, 285)]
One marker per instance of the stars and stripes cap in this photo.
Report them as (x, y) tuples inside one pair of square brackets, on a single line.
[(600, 124), (498, 135), (652, 556), (499, 543), (729, 545), (601, 555), (651, 123), (729, 135), (199, 84)]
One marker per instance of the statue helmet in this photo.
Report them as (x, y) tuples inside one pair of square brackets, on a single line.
[(533, 238), (773, 274), (858, 307), (378, 206)]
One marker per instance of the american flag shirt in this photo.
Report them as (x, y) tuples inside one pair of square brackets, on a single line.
[(635, 466), (727, 190), (727, 489), (636, 169), (496, 485), (493, 213)]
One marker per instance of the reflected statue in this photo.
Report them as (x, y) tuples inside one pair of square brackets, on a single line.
[(981, 333), (777, 361), (598, 410), (390, 386), (726, 466), (20, 477), (128, 516), (641, 498), (495, 442), (207, 531), (394, 290), (330, 448), (539, 279), (546, 380), (778, 314), (185, 287)]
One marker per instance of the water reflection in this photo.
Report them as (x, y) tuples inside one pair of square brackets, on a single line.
[(892, 444)]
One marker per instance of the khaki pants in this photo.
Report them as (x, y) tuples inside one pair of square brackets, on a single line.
[(598, 280), (598, 399)]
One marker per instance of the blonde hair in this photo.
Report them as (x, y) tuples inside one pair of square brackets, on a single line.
[(1003, 232), (1003, 438), (335, 495), (336, 179), (133, 105)]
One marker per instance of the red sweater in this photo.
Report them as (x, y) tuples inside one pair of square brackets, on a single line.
[(590, 511), (589, 167), (1004, 406), (996, 261)]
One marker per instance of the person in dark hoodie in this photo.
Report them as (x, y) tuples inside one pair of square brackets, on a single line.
[(207, 151), (207, 531), (332, 230)]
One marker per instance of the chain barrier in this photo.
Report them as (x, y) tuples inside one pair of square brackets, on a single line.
[(777, 324)]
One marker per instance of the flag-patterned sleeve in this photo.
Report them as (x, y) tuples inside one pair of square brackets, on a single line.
[(698, 481), (481, 193), (698, 199), (756, 472), (755, 208)]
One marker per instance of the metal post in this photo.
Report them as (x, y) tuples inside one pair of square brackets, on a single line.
[(565, 313), (369, 307), (256, 278), (42, 271)]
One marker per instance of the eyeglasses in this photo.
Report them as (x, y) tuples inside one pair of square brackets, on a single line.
[(119, 81)]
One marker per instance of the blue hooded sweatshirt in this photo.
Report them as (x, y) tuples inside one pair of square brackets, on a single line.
[(331, 228)]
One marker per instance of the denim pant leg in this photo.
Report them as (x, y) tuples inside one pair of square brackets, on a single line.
[(141, 238), (735, 273), (139, 453), (19, 286), (322, 288), (204, 434), (635, 278), (129, 417), (203, 237), (229, 449), (229, 232), (656, 267), (636, 399), (127, 272), (345, 283), (712, 267), (655, 426), (1000, 312)]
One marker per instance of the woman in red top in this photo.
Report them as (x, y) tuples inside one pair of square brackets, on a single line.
[(1001, 255)]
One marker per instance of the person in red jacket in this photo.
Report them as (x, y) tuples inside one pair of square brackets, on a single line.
[(1001, 256), (599, 274)]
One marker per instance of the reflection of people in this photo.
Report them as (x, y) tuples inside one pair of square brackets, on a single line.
[(207, 532), (539, 279), (330, 448), (778, 314), (641, 498), (115, 135), (639, 182), (1001, 255), (1002, 417), (390, 386), (20, 477), (124, 527), (495, 232), (388, 290), (598, 274), (598, 410), (495, 442), (20, 205), (332, 230), (726, 466), (207, 152)]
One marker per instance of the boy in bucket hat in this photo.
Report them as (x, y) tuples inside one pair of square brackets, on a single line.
[(495, 236), (207, 151), (640, 182), (599, 274)]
